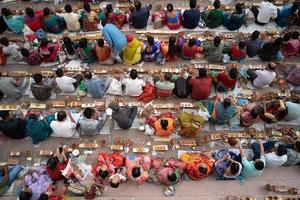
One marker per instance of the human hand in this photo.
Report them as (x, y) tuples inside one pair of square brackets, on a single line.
[(5, 169)]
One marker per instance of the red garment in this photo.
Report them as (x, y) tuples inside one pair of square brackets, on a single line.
[(148, 93), (226, 81), (103, 53), (164, 94), (152, 119), (112, 161), (34, 23), (56, 173), (201, 87), (190, 52), (237, 53)]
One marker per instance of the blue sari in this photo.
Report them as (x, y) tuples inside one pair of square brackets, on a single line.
[(39, 130), (15, 23)]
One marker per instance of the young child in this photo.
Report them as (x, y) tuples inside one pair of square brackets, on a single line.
[(11, 50)]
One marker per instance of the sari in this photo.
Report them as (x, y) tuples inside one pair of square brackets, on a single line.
[(35, 22), (174, 23), (89, 21), (132, 52), (193, 161), (87, 54), (15, 23), (151, 52), (143, 162), (223, 115), (191, 124), (50, 52), (34, 58), (54, 24), (39, 130)]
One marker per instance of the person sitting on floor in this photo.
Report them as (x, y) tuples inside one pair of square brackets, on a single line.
[(235, 20), (238, 52), (71, 18), (133, 85), (226, 80), (151, 49), (285, 13), (103, 53), (12, 51), (140, 16), (173, 17), (90, 123), (250, 114), (191, 124), (254, 44), (293, 74), (48, 51), (123, 116), (32, 56), (8, 174), (221, 111), (118, 177), (201, 86), (271, 51), (293, 155), (89, 18), (64, 125), (56, 164), (164, 127), (262, 78), (267, 11), (52, 22), (12, 88), (41, 88), (65, 83), (198, 165), (137, 168), (215, 16), (214, 52), (169, 52), (96, 87), (291, 46), (164, 89), (274, 111), (293, 110), (191, 17), (86, 51), (132, 53), (14, 22), (34, 20), (12, 126), (190, 50)]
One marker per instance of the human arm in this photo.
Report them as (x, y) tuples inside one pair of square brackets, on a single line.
[(241, 149), (282, 105), (102, 120), (5, 176), (261, 147), (71, 118)]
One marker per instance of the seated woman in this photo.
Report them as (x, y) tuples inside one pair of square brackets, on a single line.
[(274, 111), (32, 57), (56, 164), (215, 16), (291, 44), (70, 48), (86, 51), (53, 23), (151, 50), (103, 53), (285, 13), (132, 53), (12, 126), (238, 53), (270, 50), (137, 168), (14, 22), (164, 127), (226, 168), (8, 174), (169, 51), (198, 165), (173, 17), (117, 19), (106, 167), (221, 111), (48, 51), (293, 74), (167, 171), (250, 114), (34, 20), (89, 18), (226, 81), (190, 50), (235, 20), (191, 124)]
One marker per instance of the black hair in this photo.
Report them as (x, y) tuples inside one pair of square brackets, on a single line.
[(44, 197), (68, 8), (295, 35), (109, 8), (103, 22), (226, 102), (192, 42), (88, 75), (1, 95), (259, 165), (256, 111), (68, 45), (33, 117), (172, 47), (170, 7), (234, 168), (52, 162), (281, 150), (278, 42), (44, 42), (233, 73), (4, 41), (6, 12), (242, 44), (61, 115), (217, 4), (271, 67), (136, 172), (4, 114), (168, 76), (297, 146), (24, 195), (46, 11), (133, 74), (202, 72), (103, 173), (193, 4), (217, 41), (114, 185), (83, 42), (88, 112), (87, 7), (255, 35), (164, 124), (137, 5), (150, 40), (29, 11), (37, 78), (100, 42), (239, 8), (202, 170), (24, 52), (59, 72), (287, 36), (172, 177)]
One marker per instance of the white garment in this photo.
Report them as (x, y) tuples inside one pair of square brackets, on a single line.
[(65, 83), (72, 21), (264, 78), (133, 87), (115, 87), (121, 176), (267, 10), (273, 160), (65, 129), (12, 51)]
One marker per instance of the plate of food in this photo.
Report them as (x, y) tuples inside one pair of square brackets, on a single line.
[(169, 190), (117, 147), (160, 147)]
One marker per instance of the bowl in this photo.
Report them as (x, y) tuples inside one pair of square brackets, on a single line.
[(244, 142), (169, 190), (75, 152), (142, 128)]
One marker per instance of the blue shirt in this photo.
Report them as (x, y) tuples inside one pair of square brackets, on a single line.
[(139, 18), (97, 87), (191, 18), (249, 169), (115, 38)]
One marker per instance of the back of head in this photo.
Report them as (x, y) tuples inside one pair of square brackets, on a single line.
[(217, 4), (242, 44), (287, 36), (272, 66), (256, 111), (46, 11), (278, 42), (192, 42), (25, 195), (68, 8), (4, 41), (88, 112), (150, 40), (137, 5), (281, 150), (239, 8), (255, 35), (52, 162), (193, 4), (100, 42), (29, 11), (109, 8), (202, 170), (170, 7), (233, 73), (234, 168), (217, 41), (172, 177), (87, 7), (83, 42), (61, 116), (38, 78), (114, 184), (24, 52), (297, 146), (259, 165), (88, 75), (133, 74), (172, 48), (172, 40), (103, 173), (136, 172), (44, 197), (295, 35), (226, 102), (202, 72), (114, 106), (103, 22), (168, 76), (59, 72), (44, 42), (5, 12), (4, 114), (164, 124)]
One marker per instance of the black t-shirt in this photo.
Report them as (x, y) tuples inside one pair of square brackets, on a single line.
[(13, 128)]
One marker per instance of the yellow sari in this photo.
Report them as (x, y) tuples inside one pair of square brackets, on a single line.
[(132, 53)]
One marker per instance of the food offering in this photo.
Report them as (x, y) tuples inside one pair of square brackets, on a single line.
[(88, 146), (8, 107), (160, 148), (19, 73), (117, 147), (58, 104), (38, 106), (46, 153), (140, 150)]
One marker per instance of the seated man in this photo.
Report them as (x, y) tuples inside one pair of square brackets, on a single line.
[(8, 176), (65, 83), (198, 165), (41, 89), (12, 127), (274, 158), (254, 44), (191, 17), (91, 123), (140, 16), (293, 155), (256, 166), (214, 52), (164, 127), (262, 78), (96, 87), (215, 16), (133, 85), (13, 88), (201, 86), (64, 125), (123, 116), (191, 124), (164, 89), (137, 168)]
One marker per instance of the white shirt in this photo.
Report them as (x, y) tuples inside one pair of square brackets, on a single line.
[(134, 87), (72, 21), (267, 10), (264, 78), (65, 83), (273, 160), (65, 129)]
